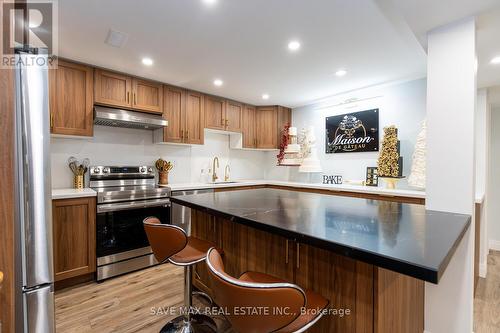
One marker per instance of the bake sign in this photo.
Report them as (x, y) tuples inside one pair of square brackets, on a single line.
[(352, 132)]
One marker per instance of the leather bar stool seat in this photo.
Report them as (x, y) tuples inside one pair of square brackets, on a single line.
[(171, 244), (253, 290)]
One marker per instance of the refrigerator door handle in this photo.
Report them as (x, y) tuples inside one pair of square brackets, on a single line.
[(33, 173)]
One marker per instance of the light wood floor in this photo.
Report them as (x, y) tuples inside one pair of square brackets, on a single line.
[(124, 304), (487, 300)]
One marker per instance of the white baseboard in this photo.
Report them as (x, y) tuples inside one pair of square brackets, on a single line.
[(494, 245), (483, 267)]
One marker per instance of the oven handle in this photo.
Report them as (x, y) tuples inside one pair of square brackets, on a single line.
[(113, 207)]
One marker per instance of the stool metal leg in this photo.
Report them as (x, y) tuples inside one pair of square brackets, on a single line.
[(190, 322)]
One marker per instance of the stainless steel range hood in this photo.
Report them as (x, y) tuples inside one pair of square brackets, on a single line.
[(124, 118)]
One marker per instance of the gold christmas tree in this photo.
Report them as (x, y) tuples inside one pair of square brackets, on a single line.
[(388, 161)]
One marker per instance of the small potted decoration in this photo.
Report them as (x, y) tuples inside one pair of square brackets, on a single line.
[(163, 168)]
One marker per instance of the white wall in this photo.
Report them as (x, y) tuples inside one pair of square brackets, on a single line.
[(450, 169), (494, 181), (401, 104), (124, 146)]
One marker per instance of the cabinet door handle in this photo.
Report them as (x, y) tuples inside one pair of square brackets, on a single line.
[(135, 99), (182, 134), (51, 120), (298, 255), (227, 122), (128, 97), (286, 251), (187, 134), (222, 122)]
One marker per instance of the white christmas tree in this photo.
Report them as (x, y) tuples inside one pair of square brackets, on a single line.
[(417, 175)]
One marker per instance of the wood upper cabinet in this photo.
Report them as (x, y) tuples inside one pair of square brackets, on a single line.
[(174, 105), (184, 112), (266, 125), (71, 100), (147, 95), (119, 90), (234, 114), (112, 89), (215, 112), (284, 117), (248, 127), (194, 118), (74, 237)]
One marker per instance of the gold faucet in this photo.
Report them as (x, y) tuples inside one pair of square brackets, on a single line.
[(227, 169), (214, 174)]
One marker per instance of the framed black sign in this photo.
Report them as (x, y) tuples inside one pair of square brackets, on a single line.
[(352, 132)]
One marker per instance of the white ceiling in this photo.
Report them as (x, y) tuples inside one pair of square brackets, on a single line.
[(244, 42)]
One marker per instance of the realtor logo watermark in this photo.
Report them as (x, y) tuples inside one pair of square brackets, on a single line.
[(29, 25)]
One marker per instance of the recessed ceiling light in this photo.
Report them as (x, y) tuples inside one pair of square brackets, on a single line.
[(218, 82), (495, 61), (341, 72), (293, 45), (265, 96), (147, 61), (210, 2)]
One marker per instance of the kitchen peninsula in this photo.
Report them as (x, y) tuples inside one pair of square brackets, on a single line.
[(369, 256)]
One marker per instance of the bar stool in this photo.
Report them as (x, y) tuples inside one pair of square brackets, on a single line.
[(257, 302), (170, 243)]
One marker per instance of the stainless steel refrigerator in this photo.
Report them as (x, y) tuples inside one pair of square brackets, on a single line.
[(33, 227)]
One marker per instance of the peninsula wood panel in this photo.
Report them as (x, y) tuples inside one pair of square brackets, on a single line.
[(399, 302), (266, 127), (74, 237), (248, 126), (112, 89), (215, 112), (174, 106), (347, 284), (234, 116), (147, 95), (194, 118), (379, 300), (71, 99), (7, 288)]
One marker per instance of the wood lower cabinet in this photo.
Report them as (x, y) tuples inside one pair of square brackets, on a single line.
[(119, 90), (266, 127), (71, 99), (147, 95), (74, 237), (248, 127)]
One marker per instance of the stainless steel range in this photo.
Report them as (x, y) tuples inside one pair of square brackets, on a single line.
[(125, 196)]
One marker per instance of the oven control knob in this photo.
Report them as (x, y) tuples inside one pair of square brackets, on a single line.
[(97, 170), (150, 169), (105, 170), (143, 169)]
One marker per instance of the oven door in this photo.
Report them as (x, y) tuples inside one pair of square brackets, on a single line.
[(120, 233)]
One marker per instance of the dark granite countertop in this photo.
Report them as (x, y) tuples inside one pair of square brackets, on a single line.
[(405, 238)]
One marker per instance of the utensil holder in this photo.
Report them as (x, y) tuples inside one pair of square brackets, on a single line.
[(163, 178), (78, 181)]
